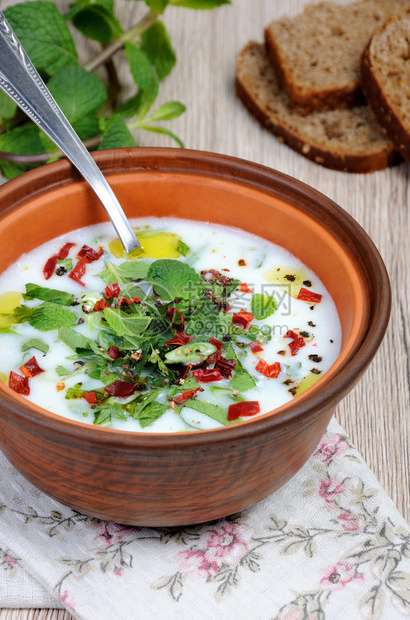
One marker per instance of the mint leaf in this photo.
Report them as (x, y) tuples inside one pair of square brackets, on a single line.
[(200, 4), (173, 280), (164, 131), (77, 91), (12, 170), (23, 140), (87, 126), (61, 371), (50, 316), (158, 49), (157, 6), (213, 411), (137, 406), (48, 294), (241, 380), (22, 313), (144, 76), (131, 106), (95, 20), (125, 272), (262, 306), (44, 35), (7, 107), (74, 339), (206, 321), (126, 324), (168, 111), (34, 343), (117, 135), (151, 412)]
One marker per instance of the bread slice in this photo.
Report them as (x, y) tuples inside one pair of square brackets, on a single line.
[(316, 54), (385, 71), (349, 140)]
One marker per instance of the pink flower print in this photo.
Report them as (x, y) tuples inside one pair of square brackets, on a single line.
[(350, 521), (67, 600), (193, 562), (229, 543), (112, 533), (291, 612), (338, 576), (7, 559), (330, 489), (331, 444)]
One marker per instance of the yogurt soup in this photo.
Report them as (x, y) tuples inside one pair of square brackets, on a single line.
[(203, 328)]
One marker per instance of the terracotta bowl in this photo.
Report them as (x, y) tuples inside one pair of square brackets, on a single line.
[(182, 478)]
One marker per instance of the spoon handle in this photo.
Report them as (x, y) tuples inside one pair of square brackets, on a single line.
[(20, 81)]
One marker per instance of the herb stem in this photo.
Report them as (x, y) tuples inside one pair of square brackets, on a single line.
[(101, 58)]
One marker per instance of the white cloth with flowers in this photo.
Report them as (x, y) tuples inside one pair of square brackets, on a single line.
[(328, 545)]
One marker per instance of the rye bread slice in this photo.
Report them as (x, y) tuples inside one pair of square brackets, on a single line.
[(385, 71), (348, 140), (317, 54)]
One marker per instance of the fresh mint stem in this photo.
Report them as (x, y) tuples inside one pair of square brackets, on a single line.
[(101, 58)]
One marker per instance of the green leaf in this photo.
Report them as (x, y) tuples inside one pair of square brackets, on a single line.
[(22, 313), (158, 49), (157, 6), (95, 20), (23, 140), (132, 106), (125, 272), (137, 406), (213, 411), (168, 111), (87, 127), (74, 339), (66, 263), (151, 412), (262, 306), (61, 371), (35, 343), (7, 330), (117, 135), (173, 280), (142, 71), (48, 294), (165, 132), (77, 91), (241, 380), (44, 35), (7, 107), (50, 316), (12, 170), (126, 324), (199, 4), (207, 321), (183, 248)]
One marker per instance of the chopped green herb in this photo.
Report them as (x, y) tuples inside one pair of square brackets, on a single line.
[(262, 306), (33, 291), (35, 343)]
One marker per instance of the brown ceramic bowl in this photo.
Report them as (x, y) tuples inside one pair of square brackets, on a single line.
[(182, 478)]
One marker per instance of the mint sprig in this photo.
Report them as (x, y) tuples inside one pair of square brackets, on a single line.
[(99, 118)]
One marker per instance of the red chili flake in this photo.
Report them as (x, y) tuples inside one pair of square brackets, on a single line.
[(214, 357), (180, 339), (291, 334), (101, 304), (225, 366), (120, 388), (89, 254), (31, 368), (112, 290), (79, 270), (207, 375), (295, 345), (271, 371), (19, 384), (91, 398), (242, 318), (309, 296), (217, 343), (244, 408), (50, 266), (169, 313), (125, 301), (225, 269), (114, 352), (244, 288), (63, 253), (182, 398), (255, 347)]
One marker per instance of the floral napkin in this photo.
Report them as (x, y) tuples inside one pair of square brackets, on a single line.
[(328, 545)]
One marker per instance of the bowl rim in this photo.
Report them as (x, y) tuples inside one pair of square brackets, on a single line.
[(264, 179)]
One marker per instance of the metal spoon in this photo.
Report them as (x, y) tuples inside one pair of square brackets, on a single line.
[(21, 82)]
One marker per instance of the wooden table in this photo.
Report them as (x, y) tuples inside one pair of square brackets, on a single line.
[(375, 413)]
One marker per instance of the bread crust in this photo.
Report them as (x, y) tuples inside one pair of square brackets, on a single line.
[(351, 162), (378, 99)]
